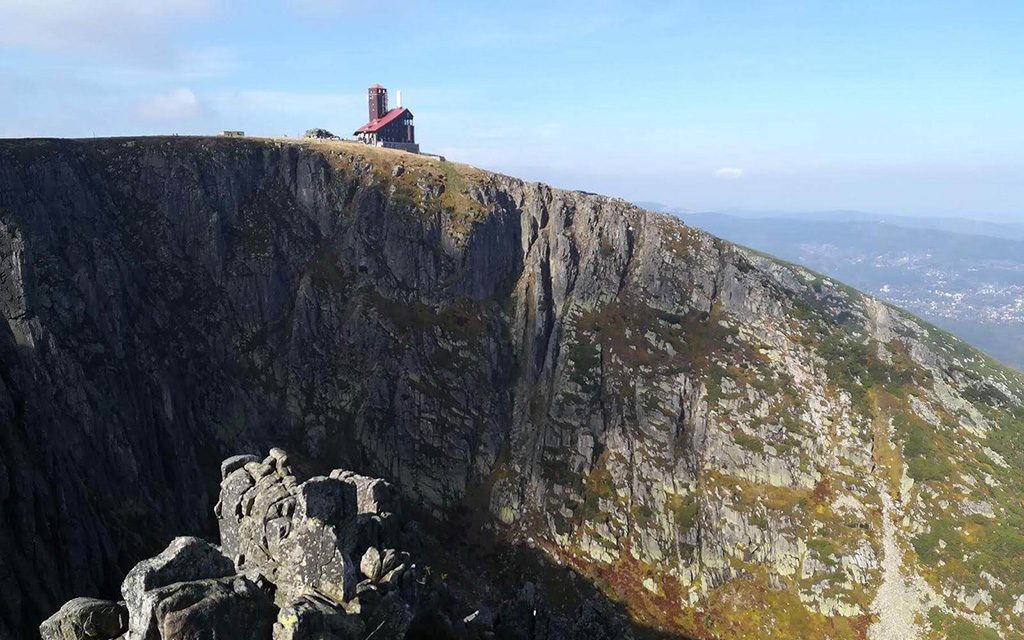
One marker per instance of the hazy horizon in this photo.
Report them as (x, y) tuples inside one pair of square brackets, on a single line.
[(838, 214), (906, 108)]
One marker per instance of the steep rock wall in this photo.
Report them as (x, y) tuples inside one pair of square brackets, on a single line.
[(700, 428)]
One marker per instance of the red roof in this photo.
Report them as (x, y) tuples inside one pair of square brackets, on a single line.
[(379, 123), (376, 86)]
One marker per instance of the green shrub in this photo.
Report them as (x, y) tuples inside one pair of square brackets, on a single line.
[(824, 548), (684, 510), (748, 442), (955, 628)]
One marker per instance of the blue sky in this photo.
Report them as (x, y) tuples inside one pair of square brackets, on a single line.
[(902, 107)]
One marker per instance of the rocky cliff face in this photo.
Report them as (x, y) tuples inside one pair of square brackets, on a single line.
[(727, 444)]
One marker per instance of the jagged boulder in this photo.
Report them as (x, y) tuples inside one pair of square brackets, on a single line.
[(379, 523), (304, 536), (314, 618), (235, 462), (185, 559), (313, 560), (371, 565), (86, 618), (299, 535), (374, 495), (233, 607)]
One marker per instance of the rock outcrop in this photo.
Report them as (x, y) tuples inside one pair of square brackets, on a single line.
[(151, 582), (290, 575), (702, 431), (86, 618)]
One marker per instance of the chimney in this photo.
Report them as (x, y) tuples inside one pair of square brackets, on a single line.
[(399, 96)]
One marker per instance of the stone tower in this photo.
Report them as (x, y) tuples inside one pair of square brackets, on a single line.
[(378, 100)]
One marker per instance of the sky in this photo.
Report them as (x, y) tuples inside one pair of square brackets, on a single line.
[(910, 107)]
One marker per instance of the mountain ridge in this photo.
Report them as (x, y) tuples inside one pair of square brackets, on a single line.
[(699, 428), (988, 226)]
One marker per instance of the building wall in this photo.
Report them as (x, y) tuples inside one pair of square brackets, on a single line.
[(411, 147), (398, 132)]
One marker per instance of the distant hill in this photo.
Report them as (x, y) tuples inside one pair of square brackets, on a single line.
[(968, 283), (1011, 229)]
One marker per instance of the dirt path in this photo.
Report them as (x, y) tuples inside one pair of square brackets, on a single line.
[(897, 603)]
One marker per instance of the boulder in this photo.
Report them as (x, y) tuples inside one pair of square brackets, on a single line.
[(314, 618), (300, 536), (231, 607), (327, 500), (86, 619), (392, 559), (313, 560), (374, 494), (371, 565), (235, 462), (183, 560), (229, 508)]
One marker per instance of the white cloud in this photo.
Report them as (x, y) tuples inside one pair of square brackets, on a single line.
[(288, 103), (179, 104), (321, 8), (729, 173), (205, 62), (98, 26), (181, 67)]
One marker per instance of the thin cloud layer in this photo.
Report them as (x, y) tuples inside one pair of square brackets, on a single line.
[(112, 27), (729, 173), (288, 102), (329, 7), (177, 105)]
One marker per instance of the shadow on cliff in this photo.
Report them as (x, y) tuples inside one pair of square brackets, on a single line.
[(485, 565)]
